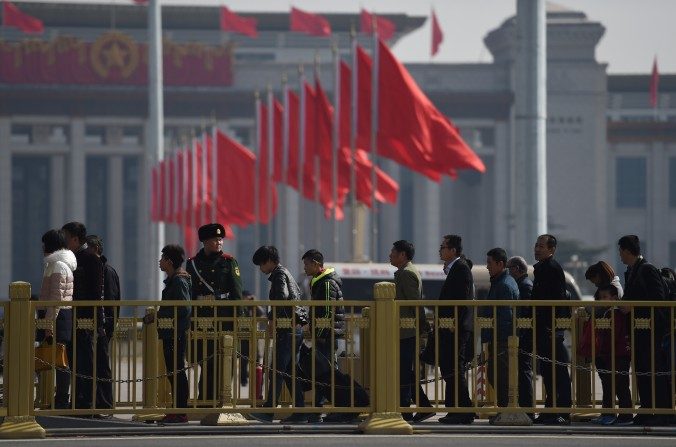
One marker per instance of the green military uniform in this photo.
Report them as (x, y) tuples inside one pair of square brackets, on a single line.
[(215, 277)]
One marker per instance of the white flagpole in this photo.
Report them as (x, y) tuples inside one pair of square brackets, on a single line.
[(315, 162), (186, 194), (282, 221), (301, 162), (336, 146), (257, 201), (214, 172), (271, 157), (374, 143)]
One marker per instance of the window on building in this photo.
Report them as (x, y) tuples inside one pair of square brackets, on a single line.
[(630, 182), (21, 133), (672, 182), (132, 135), (95, 134), (672, 254)]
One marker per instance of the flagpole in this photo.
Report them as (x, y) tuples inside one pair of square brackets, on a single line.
[(285, 161), (185, 192), (193, 184), (156, 122), (214, 170), (205, 193), (374, 143), (257, 200), (336, 136), (301, 160), (315, 161), (353, 140), (270, 155)]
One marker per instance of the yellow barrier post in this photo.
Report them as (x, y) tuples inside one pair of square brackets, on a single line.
[(225, 350), (385, 388), (151, 344), (518, 417), (18, 386)]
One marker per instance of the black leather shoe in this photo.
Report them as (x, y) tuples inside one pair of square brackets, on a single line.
[(262, 417), (560, 420), (456, 419), (544, 419), (341, 418), (295, 418), (419, 417), (408, 417)]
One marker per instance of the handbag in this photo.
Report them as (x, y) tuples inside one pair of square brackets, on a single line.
[(45, 354)]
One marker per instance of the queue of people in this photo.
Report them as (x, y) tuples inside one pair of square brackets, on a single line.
[(75, 269)]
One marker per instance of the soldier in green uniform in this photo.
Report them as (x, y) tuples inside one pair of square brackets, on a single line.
[(215, 276)]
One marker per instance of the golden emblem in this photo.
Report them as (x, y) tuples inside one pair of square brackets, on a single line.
[(236, 271), (218, 231), (114, 53)]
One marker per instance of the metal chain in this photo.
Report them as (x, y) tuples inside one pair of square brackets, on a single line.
[(591, 369)]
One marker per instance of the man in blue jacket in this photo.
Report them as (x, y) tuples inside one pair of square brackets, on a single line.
[(503, 288)]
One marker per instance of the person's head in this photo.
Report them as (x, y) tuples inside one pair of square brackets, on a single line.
[(607, 293), (52, 241), (313, 262), (247, 295), (76, 235), (172, 258), (450, 248), (266, 258), (600, 274), (95, 244), (211, 236), (545, 246), (630, 249), (402, 252), (517, 267), (496, 261)]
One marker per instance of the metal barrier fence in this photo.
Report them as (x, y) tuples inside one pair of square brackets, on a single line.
[(386, 358)]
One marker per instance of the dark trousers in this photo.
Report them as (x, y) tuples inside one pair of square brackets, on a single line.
[(562, 389), (447, 365), (286, 354), (408, 382), (64, 331), (343, 383), (525, 372), (621, 381), (84, 367), (207, 353), (180, 388), (643, 364), (244, 362), (104, 385), (498, 372)]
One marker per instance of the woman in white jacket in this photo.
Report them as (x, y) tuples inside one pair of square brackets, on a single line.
[(57, 285)]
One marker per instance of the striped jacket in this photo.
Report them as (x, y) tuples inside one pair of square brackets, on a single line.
[(326, 286)]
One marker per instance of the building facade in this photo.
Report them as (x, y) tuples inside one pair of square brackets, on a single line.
[(77, 151)]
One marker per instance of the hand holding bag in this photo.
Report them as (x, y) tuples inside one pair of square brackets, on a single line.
[(48, 355)]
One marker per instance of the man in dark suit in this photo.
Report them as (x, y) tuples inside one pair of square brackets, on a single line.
[(549, 283), (459, 285), (642, 282)]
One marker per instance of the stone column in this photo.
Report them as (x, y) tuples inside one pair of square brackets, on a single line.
[(76, 202), (114, 246), (5, 204), (427, 204)]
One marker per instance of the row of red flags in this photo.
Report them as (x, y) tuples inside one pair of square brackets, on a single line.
[(411, 131), (299, 21)]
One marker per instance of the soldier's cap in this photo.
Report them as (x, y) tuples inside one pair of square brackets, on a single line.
[(209, 231)]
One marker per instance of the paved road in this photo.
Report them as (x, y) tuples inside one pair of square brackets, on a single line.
[(436, 440)]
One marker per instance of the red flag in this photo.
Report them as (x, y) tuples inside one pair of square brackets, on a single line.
[(364, 68), (277, 142), (238, 24), (411, 130), (12, 16), (384, 27), (236, 169), (654, 84), (345, 104), (293, 132), (437, 34), (309, 23)]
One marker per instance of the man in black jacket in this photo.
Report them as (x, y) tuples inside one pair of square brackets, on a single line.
[(111, 292), (642, 282), (550, 284), (283, 287), (87, 286), (459, 285), (325, 286)]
